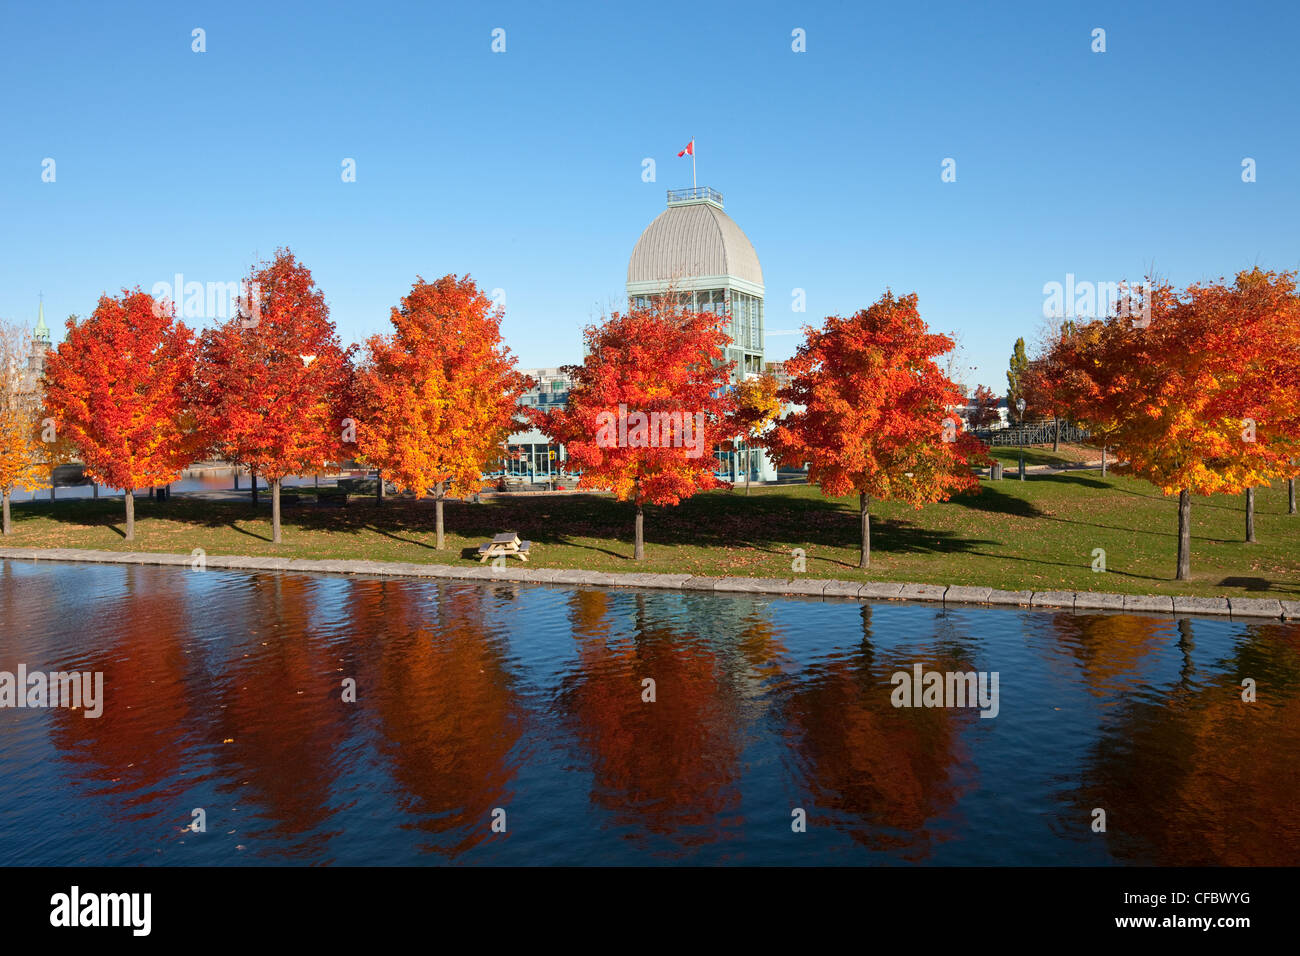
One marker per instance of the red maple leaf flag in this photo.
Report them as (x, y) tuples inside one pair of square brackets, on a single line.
[(689, 150)]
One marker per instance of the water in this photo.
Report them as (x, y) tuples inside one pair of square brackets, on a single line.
[(223, 692)]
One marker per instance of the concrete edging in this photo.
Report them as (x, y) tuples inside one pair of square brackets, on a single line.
[(955, 594)]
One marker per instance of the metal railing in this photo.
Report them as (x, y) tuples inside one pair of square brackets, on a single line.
[(694, 193), (1032, 433)]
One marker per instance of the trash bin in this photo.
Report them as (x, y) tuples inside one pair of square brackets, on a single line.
[(995, 473)]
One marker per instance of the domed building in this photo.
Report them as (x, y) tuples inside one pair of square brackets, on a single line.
[(696, 248)]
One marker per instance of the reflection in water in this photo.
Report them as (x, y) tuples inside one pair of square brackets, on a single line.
[(667, 766), (120, 754), (447, 713), (224, 692), (281, 724), (1204, 778), (888, 770)]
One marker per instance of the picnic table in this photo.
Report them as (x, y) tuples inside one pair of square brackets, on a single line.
[(506, 544)]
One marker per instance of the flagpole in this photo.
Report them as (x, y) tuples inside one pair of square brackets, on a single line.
[(694, 185)]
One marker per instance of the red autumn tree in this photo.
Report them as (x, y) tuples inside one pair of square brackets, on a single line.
[(1184, 394), (984, 408), (875, 415), (273, 380), (1039, 383), (116, 388), (440, 394), (648, 406)]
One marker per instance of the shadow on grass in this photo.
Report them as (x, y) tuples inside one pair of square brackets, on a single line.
[(1078, 480), (1001, 556), (1246, 584), (992, 500)]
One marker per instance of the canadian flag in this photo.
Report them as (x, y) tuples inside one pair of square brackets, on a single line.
[(689, 150)]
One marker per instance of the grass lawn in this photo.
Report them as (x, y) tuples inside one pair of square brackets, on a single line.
[(1009, 455), (1038, 534)]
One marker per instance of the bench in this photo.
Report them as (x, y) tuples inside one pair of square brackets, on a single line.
[(504, 545)]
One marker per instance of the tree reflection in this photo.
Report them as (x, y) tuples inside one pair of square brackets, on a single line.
[(137, 747), (668, 768), (1197, 776), (448, 714), (282, 722), (881, 772)]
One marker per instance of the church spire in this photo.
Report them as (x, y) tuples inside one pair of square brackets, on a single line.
[(42, 332)]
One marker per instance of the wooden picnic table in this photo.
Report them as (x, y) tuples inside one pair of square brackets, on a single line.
[(506, 544)]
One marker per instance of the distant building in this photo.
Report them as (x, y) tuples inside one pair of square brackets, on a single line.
[(778, 372), (530, 453), (39, 350)]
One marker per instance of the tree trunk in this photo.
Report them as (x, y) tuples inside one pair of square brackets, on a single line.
[(747, 455), (130, 514), (1184, 535), (864, 504), (1250, 515), (1290, 496), (437, 509), (1056, 435), (236, 479), (1103, 461), (379, 488), (51, 487), (275, 511), (638, 551), (95, 493), (8, 526), (253, 477)]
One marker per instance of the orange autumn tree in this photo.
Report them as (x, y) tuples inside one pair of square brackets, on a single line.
[(1262, 386), (648, 406), (116, 388), (273, 379), (875, 416), (756, 408), (21, 457), (440, 393), (1171, 392)]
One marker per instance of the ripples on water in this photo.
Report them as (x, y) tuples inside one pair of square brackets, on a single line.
[(223, 691)]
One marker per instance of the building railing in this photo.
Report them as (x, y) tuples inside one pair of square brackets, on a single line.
[(695, 193)]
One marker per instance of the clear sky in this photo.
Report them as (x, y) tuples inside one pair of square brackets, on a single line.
[(524, 168)]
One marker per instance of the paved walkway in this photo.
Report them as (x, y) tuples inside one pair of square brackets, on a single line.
[(1235, 607)]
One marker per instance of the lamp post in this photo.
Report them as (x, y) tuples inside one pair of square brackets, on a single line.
[(1020, 435)]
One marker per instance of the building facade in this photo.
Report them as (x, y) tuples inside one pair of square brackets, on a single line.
[(529, 454), (694, 247)]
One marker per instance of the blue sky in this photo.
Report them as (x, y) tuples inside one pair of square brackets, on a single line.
[(524, 168)]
